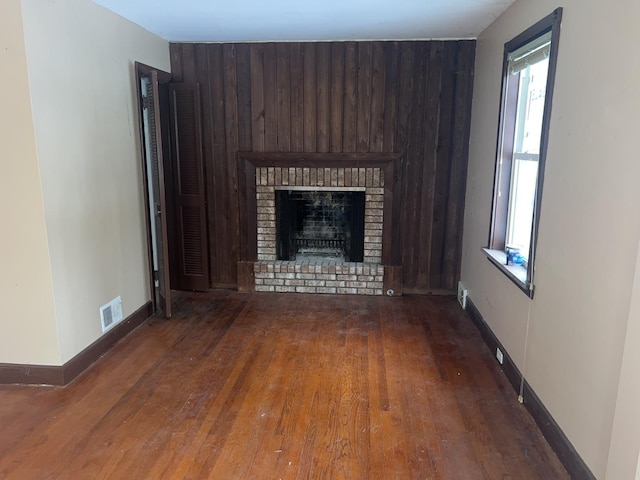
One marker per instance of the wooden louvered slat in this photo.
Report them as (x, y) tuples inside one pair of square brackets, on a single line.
[(187, 145), (192, 241), (190, 199)]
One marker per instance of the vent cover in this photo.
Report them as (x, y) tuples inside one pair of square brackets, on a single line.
[(111, 313), (462, 296)]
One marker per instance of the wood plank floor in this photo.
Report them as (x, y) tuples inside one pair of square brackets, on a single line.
[(268, 386)]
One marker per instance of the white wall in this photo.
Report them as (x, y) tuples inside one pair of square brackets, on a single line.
[(589, 226), (80, 65), (624, 453), (28, 325)]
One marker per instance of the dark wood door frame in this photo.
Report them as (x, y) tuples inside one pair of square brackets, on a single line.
[(160, 290)]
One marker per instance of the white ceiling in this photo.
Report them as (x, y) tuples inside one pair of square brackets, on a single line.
[(283, 20)]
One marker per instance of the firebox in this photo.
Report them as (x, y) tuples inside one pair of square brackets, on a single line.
[(320, 224)]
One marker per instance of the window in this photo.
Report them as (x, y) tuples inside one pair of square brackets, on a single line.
[(527, 88)]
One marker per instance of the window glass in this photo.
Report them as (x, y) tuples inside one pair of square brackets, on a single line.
[(524, 171)]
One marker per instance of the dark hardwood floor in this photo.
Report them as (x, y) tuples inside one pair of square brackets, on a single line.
[(269, 386)]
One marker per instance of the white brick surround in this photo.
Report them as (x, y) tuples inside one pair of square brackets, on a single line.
[(322, 276)]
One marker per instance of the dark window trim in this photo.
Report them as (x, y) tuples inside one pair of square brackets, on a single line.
[(497, 231)]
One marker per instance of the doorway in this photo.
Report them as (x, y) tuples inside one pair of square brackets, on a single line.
[(151, 88), (176, 211)]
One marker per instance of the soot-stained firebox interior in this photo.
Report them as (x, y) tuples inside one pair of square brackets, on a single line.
[(324, 224)]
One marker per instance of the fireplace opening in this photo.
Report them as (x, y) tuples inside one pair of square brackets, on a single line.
[(320, 224)]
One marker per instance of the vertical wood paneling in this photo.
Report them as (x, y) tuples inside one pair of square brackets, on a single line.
[(458, 164), (270, 99), (310, 97), (337, 95), (175, 56), (376, 132), (283, 97), (202, 69), (404, 112), (443, 170), (297, 97), (432, 104), (363, 96), (407, 97), (350, 112), (188, 63), (392, 58), (412, 183), (245, 141), (217, 163), (323, 56), (257, 97), (243, 74), (229, 270)]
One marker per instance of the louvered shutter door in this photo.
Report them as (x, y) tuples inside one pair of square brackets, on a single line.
[(186, 140)]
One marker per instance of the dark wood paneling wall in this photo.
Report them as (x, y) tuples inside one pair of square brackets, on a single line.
[(412, 98)]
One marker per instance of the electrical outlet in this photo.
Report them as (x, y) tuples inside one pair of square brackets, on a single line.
[(462, 296), (499, 356)]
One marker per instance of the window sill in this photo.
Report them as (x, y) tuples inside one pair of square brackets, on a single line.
[(516, 273)]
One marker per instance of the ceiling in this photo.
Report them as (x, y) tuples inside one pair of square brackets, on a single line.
[(311, 20)]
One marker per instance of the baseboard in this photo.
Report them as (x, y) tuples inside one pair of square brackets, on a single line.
[(547, 425), (508, 365), (442, 292), (64, 374), (11, 373)]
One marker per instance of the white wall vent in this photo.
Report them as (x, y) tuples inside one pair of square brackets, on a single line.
[(462, 296), (111, 313)]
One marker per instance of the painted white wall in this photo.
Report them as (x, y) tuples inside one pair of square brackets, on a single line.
[(28, 327), (589, 226), (80, 64), (624, 453)]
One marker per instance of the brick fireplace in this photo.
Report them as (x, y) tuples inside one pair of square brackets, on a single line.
[(268, 176), (319, 275)]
